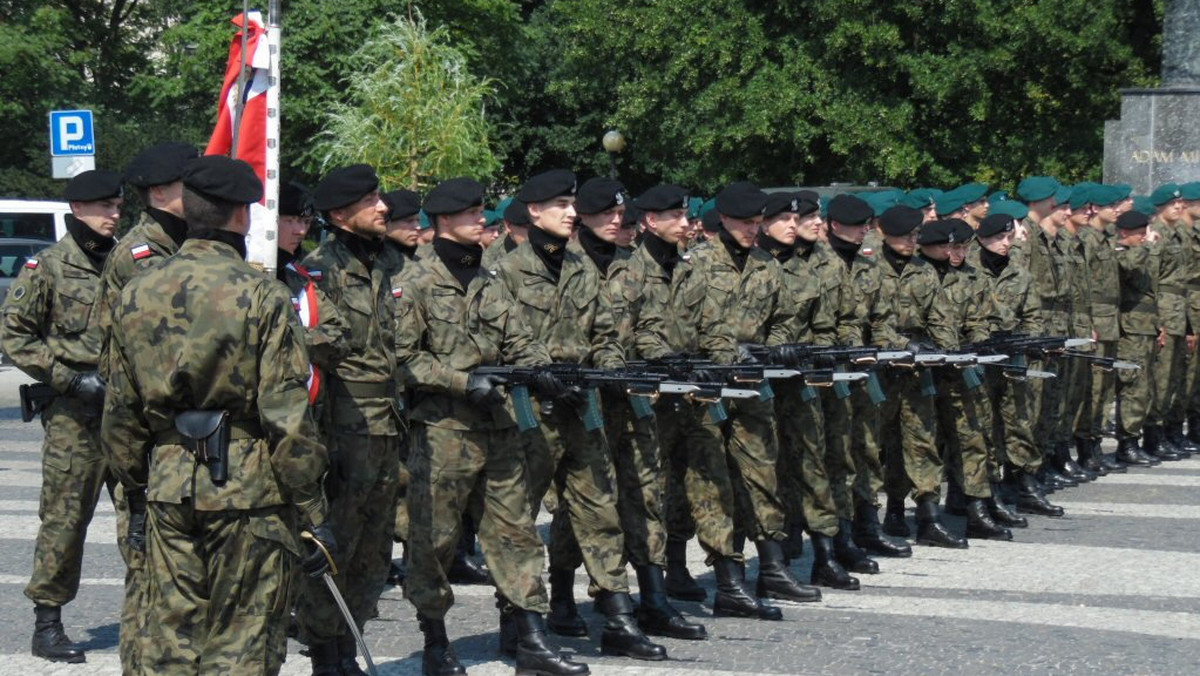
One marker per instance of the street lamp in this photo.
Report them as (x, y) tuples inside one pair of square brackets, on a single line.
[(613, 142)]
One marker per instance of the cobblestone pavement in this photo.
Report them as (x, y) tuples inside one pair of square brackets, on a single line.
[(1113, 588)]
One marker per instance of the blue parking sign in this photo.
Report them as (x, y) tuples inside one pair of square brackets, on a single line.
[(71, 133)]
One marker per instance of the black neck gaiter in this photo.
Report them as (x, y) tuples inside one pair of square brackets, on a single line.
[(663, 253), (845, 249), (598, 250), (233, 239), (992, 261), (174, 226), (736, 252), (549, 249), (462, 260), (365, 250), (778, 250), (95, 245)]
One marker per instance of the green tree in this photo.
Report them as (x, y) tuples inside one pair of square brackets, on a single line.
[(415, 112)]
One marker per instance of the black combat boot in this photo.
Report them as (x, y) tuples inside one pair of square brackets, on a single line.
[(564, 618), (1001, 513), (1086, 451), (827, 572), (50, 640), (775, 580), (894, 523), (1110, 463), (980, 524), (1129, 453), (325, 659), (849, 554), (1187, 447), (655, 614), (1051, 478), (793, 546), (438, 658), (347, 649), (509, 634), (930, 530), (733, 599), (1031, 499), (464, 569), (956, 500), (621, 636), (869, 536), (535, 657), (680, 583), (1154, 445), (1066, 465), (1193, 429)]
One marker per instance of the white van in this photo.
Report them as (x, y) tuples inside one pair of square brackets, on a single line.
[(33, 219)]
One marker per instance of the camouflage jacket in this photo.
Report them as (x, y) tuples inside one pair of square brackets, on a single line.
[(1075, 259), (1012, 302), (684, 317), (630, 280), (362, 386), (864, 316), (1191, 235), (393, 259), (752, 300), (911, 292), (325, 328), (444, 331), (1101, 269), (52, 328), (1048, 266), (802, 281), (958, 314), (499, 249), (1139, 289), (205, 331), (1174, 268)]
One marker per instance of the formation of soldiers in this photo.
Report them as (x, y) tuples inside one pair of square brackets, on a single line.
[(649, 370)]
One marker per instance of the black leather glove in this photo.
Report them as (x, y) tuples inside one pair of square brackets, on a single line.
[(335, 476), (482, 390), (89, 387), (548, 386), (744, 355), (319, 561), (135, 533), (920, 347), (576, 398)]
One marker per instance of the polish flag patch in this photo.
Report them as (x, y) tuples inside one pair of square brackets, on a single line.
[(317, 275), (398, 292), (141, 251), (32, 263)]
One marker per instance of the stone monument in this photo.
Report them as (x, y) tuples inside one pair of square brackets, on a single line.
[(1157, 139)]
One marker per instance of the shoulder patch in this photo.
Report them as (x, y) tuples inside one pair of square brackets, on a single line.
[(140, 251), (868, 251), (18, 293), (32, 263), (398, 292), (317, 275)]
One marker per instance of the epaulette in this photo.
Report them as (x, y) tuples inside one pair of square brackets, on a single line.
[(32, 263), (140, 251)]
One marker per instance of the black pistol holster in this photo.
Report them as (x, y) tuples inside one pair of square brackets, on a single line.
[(206, 435)]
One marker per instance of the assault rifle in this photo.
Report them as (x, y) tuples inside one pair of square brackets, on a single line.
[(1103, 363), (35, 397), (1023, 343)]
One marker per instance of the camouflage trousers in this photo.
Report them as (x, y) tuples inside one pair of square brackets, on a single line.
[(1011, 416), (446, 466), (960, 433), (1052, 422), (1103, 391), (752, 454), (907, 424), (563, 456), (74, 472), (805, 488), (1078, 405), (1135, 389), (403, 479), (217, 590), (133, 629), (1169, 379), (633, 443), (362, 516), (694, 451), (840, 463)]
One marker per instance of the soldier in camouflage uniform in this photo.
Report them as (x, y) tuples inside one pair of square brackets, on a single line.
[(789, 233), (453, 317), (364, 433), (852, 421), (1190, 192), (1137, 260), (1165, 419), (52, 333), (516, 231), (675, 311), (558, 298), (907, 419), (1013, 306), (219, 553)]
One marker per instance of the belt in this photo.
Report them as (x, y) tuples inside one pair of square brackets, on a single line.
[(1107, 300), (1056, 305), (357, 390), (238, 429), (1172, 289)]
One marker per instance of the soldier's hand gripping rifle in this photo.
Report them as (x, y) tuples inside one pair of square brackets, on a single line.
[(35, 397)]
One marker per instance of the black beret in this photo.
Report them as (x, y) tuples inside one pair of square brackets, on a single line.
[(850, 210), (223, 178), (294, 199), (345, 185), (401, 204), (1132, 220), (780, 202), (548, 185), (160, 164), (995, 224), (631, 217), (93, 186), (453, 196), (741, 200), (935, 232), (900, 220), (662, 197), (961, 231), (810, 195), (599, 194), (711, 220), (516, 213)]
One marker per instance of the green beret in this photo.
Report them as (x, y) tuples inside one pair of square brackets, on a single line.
[(1190, 191), (950, 202), (1011, 208), (922, 198), (694, 205), (1037, 188), (1062, 195), (1082, 195), (1143, 204), (425, 223), (1165, 193), (881, 200), (1108, 195), (998, 196)]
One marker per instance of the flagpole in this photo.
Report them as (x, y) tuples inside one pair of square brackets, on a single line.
[(241, 83), (270, 247)]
